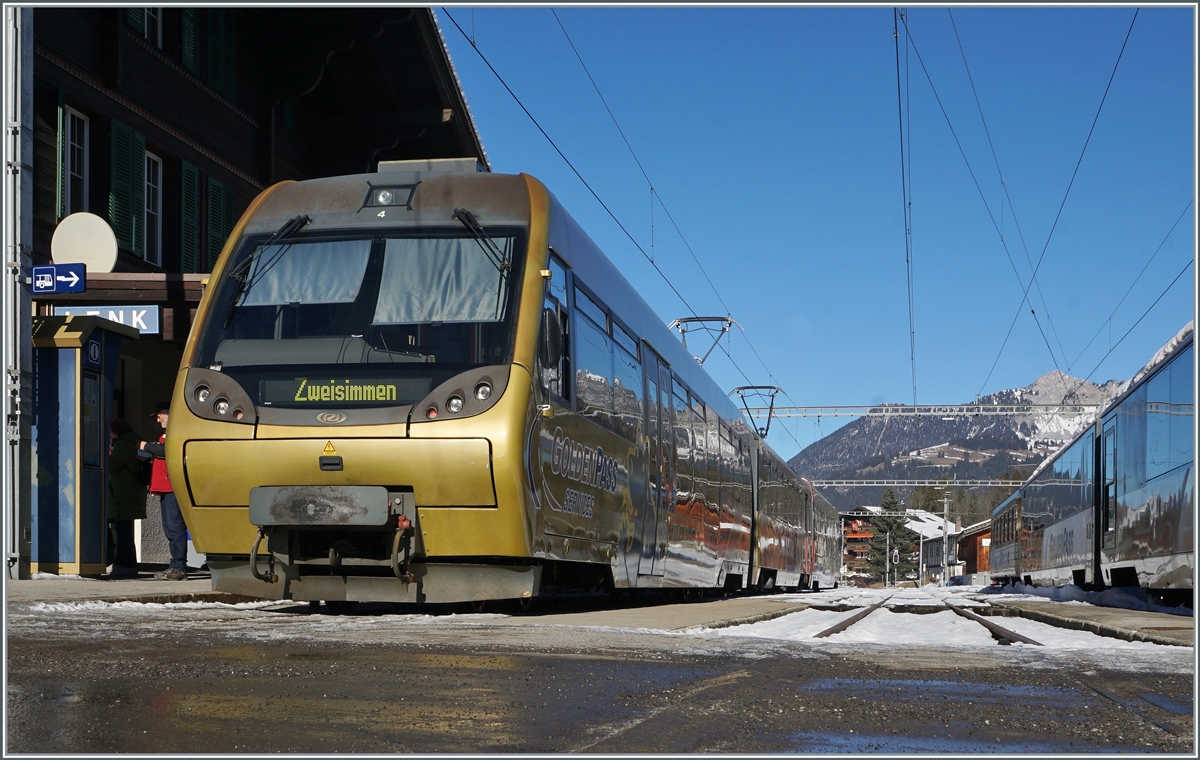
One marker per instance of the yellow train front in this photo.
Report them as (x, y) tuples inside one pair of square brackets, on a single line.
[(429, 386)]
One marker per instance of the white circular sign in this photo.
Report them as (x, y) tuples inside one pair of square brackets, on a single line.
[(84, 238)]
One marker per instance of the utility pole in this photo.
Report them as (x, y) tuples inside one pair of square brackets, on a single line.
[(945, 542)]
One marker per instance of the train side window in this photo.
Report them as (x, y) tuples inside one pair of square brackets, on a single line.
[(556, 379), (1169, 417), (594, 374), (625, 340), (627, 395), (1183, 420), (557, 287), (585, 304)]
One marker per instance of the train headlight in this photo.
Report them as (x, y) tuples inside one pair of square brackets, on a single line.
[(454, 404), (483, 391), (221, 407), (394, 195), (202, 394)]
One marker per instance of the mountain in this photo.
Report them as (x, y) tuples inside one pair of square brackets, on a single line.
[(983, 447)]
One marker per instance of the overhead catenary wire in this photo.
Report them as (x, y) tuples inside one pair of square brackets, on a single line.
[(1078, 385), (978, 188), (1108, 320), (1066, 194), (570, 165), (656, 195), (597, 196), (906, 201), (1004, 186)]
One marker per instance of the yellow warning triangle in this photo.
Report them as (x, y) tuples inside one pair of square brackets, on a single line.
[(329, 449)]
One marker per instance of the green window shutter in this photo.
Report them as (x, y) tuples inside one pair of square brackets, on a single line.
[(219, 211), (136, 17), (189, 215), (120, 185), (62, 162), (138, 199), (126, 187), (187, 47), (222, 51)]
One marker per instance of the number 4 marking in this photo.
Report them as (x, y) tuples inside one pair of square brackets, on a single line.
[(381, 213)]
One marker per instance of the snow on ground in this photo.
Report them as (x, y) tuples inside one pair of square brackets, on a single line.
[(1052, 637), (880, 627), (1124, 598), (937, 629)]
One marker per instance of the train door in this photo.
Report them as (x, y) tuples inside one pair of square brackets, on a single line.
[(661, 464), (1108, 489)]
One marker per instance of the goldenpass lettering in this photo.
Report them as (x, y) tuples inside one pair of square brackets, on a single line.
[(583, 464), (344, 391)]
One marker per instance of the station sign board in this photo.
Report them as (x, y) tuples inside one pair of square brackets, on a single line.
[(59, 278), (144, 318)]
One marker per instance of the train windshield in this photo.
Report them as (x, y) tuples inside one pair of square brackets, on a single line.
[(403, 310)]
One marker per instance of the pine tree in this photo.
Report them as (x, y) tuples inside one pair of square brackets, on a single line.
[(891, 533)]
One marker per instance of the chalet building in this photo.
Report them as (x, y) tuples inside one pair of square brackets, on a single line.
[(974, 546), (856, 535), (167, 122)]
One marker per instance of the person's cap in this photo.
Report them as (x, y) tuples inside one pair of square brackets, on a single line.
[(162, 407)]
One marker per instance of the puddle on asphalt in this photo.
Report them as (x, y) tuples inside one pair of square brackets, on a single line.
[(954, 691), (1167, 704), (831, 741)]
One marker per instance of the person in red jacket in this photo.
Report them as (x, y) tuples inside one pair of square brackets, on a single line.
[(172, 519)]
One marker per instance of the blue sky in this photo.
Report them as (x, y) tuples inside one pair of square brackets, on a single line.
[(772, 138)]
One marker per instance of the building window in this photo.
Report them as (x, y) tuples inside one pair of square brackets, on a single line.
[(74, 162), (147, 21), (153, 29), (153, 216)]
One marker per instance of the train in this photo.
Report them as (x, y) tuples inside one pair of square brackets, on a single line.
[(427, 384), (1116, 506)]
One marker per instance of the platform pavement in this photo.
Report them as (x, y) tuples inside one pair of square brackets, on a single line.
[(198, 587), (1130, 625), (709, 614), (680, 616)]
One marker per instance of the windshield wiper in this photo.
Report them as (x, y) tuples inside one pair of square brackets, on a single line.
[(499, 258), (240, 272)]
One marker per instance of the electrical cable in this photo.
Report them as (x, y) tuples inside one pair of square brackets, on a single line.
[(906, 199), (663, 205), (1004, 186), (1126, 335), (979, 189), (570, 165), (1068, 191), (605, 206), (1108, 319)]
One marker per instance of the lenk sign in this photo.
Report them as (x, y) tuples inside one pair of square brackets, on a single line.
[(144, 318)]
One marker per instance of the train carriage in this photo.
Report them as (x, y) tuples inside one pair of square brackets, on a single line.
[(1116, 507), (432, 386)]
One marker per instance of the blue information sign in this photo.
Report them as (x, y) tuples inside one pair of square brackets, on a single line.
[(59, 278)]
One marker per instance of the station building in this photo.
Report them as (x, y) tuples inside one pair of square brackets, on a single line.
[(167, 122)]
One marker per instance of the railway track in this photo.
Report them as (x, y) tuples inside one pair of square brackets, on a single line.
[(1000, 633)]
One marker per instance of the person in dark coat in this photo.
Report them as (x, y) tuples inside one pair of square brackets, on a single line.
[(172, 518), (126, 497)]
